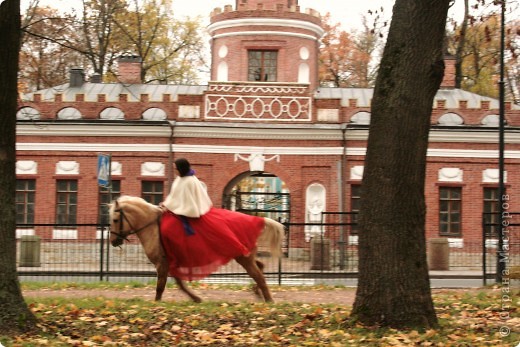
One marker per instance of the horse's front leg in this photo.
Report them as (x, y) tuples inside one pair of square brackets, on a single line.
[(192, 295)]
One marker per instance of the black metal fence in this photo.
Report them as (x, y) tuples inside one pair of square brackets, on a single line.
[(81, 252), (498, 255)]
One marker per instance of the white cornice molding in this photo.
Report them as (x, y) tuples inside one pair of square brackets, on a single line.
[(97, 130), (141, 147), (332, 132), (265, 32), (263, 22), (256, 133), (450, 136)]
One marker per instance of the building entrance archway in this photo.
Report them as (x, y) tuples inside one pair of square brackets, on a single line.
[(260, 194)]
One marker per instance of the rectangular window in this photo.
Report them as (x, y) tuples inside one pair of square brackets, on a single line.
[(66, 201), (152, 191), (25, 196), (450, 199), (262, 65), (355, 205), (105, 198), (491, 216)]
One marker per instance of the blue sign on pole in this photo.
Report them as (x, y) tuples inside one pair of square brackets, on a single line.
[(103, 170)]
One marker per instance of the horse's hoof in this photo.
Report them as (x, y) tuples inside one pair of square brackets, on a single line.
[(197, 300)]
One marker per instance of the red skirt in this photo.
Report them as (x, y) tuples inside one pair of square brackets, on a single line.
[(197, 247)]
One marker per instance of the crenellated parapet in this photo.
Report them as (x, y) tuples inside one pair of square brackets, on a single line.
[(273, 10)]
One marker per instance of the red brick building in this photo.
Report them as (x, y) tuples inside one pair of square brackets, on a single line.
[(262, 112)]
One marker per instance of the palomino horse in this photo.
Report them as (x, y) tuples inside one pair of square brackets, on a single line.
[(132, 215)]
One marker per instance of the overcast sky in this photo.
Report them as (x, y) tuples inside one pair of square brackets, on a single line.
[(348, 12)]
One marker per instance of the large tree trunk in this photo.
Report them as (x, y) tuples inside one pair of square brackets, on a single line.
[(393, 287), (14, 313)]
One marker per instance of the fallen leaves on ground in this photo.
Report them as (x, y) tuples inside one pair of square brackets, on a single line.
[(465, 320)]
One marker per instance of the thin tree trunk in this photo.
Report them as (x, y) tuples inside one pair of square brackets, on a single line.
[(461, 45), (14, 313), (393, 286)]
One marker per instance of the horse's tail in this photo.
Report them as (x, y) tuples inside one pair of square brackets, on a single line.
[(273, 236)]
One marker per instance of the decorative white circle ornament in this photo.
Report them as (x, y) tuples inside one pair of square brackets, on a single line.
[(304, 53), (223, 51)]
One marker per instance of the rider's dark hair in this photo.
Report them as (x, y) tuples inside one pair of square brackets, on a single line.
[(183, 166)]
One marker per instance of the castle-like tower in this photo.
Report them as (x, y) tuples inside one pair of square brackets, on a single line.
[(265, 41)]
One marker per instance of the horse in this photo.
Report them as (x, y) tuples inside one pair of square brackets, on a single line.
[(133, 215)]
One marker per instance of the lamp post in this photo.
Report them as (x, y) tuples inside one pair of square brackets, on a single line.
[(500, 266)]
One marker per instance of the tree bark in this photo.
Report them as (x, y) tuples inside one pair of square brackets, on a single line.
[(393, 286), (15, 316)]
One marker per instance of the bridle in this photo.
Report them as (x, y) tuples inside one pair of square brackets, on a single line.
[(122, 235)]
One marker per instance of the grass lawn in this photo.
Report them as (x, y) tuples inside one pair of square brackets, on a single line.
[(476, 318)]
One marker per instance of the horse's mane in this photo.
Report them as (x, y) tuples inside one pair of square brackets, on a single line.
[(133, 200)]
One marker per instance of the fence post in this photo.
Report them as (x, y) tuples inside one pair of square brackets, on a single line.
[(102, 251), (484, 270)]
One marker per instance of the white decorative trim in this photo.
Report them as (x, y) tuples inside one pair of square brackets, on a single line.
[(189, 111), (353, 240), (165, 148), (328, 115), (222, 72), (214, 129), (256, 160), (26, 167), (491, 176), (64, 234), (223, 51), (456, 242), (304, 53), (116, 168), (263, 22), (24, 232), (356, 172), (258, 88), (304, 74), (152, 169), (67, 167), (315, 201), (450, 174), (106, 234), (267, 33), (258, 108)]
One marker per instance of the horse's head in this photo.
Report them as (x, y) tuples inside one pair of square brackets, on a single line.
[(117, 224), (130, 215)]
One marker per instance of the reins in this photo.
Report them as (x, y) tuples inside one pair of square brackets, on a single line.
[(123, 234)]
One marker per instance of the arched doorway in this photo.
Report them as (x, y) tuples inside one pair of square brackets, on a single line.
[(260, 194)]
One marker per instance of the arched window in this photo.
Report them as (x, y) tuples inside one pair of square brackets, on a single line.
[(112, 113), (154, 113), (450, 119), (69, 113), (362, 117), (28, 113)]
